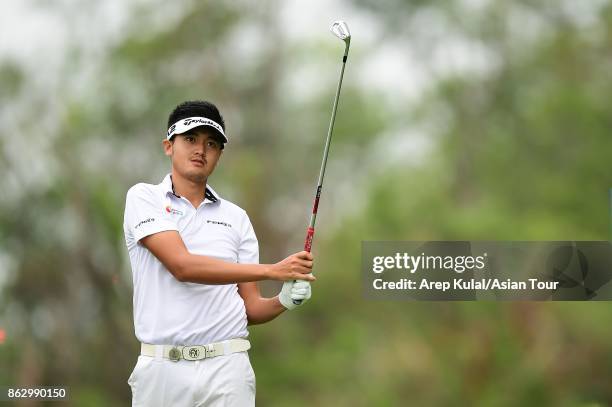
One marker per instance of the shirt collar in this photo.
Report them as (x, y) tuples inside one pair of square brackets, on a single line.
[(210, 196)]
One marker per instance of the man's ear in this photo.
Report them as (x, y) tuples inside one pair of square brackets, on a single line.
[(167, 147)]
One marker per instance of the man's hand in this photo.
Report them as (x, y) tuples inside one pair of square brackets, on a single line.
[(298, 266), (294, 290)]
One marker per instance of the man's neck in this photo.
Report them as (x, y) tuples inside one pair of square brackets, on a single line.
[(192, 191)]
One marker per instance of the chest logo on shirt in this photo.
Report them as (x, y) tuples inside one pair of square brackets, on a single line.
[(217, 222), (173, 211)]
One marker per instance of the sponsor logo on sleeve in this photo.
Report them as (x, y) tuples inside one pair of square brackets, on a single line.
[(217, 222), (149, 220)]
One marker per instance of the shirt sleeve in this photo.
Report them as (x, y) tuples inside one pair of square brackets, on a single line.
[(144, 214), (248, 252)]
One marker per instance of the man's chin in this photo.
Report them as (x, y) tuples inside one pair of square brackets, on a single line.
[(197, 177)]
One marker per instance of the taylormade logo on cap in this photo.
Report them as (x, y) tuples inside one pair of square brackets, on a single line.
[(189, 123)]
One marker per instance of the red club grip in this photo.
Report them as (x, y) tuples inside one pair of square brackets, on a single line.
[(307, 247), (308, 242)]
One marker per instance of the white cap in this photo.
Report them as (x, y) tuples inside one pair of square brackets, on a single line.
[(189, 123)]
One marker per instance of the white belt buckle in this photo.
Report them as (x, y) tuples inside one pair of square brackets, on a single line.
[(195, 352)]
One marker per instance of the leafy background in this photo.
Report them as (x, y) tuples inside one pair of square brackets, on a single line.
[(458, 120)]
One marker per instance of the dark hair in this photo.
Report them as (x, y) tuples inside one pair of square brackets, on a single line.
[(200, 108)]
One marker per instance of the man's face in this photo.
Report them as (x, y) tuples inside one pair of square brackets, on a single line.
[(194, 155)]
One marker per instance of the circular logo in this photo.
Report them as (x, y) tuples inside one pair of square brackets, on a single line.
[(174, 354)]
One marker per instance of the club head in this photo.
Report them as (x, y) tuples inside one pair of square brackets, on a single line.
[(340, 29)]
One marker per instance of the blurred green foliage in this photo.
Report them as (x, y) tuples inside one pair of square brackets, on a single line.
[(514, 148)]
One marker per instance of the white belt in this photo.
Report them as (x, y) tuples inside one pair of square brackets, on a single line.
[(195, 352)]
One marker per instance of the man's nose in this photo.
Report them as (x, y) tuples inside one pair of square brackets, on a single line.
[(201, 148)]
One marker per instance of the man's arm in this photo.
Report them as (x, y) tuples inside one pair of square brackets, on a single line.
[(170, 250), (259, 309)]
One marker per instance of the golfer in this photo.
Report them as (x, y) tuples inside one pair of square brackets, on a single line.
[(194, 258)]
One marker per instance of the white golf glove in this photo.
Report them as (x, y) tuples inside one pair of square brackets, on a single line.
[(294, 290)]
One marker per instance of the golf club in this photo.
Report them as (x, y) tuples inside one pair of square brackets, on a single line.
[(339, 29)]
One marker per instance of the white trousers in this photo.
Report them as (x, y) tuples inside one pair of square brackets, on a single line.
[(226, 380)]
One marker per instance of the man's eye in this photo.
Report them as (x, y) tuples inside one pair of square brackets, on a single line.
[(213, 144), (190, 139)]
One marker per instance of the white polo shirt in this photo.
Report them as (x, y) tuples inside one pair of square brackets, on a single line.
[(167, 311)]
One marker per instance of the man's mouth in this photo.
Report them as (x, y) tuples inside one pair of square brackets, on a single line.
[(198, 162)]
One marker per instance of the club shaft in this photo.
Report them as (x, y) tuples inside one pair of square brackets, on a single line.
[(330, 130), (313, 217), (315, 206)]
